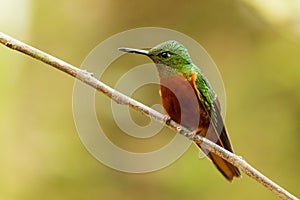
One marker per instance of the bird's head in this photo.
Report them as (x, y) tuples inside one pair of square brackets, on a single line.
[(169, 53)]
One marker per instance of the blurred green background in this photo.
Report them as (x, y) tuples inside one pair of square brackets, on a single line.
[(255, 45)]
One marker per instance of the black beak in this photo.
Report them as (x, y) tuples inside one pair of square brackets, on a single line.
[(138, 51)]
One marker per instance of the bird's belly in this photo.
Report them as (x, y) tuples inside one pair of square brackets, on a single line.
[(181, 102)]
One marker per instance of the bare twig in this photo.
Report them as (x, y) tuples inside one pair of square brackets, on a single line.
[(120, 98)]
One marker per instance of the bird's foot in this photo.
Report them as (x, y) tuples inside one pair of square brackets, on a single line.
[(168, 119), (192, 134)]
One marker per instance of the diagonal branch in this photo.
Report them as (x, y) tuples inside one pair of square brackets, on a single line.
[(120, 98)]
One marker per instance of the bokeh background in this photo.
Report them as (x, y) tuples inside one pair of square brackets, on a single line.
[(256, 45)]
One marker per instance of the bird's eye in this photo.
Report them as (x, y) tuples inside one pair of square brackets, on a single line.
[(165, 54)]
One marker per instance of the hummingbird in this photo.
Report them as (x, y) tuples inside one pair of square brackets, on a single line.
[(189, 100)]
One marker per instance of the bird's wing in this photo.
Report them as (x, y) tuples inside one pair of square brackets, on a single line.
[(211, 103), (216, 132)]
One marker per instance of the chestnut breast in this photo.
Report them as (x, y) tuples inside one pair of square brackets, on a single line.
[(181, 102)]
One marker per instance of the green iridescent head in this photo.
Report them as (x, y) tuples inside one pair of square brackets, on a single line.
[(169, 53)]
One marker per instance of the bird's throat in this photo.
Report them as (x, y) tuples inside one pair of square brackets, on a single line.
[(165, 71)]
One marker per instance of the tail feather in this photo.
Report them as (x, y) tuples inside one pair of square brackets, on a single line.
[(228, 170)]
